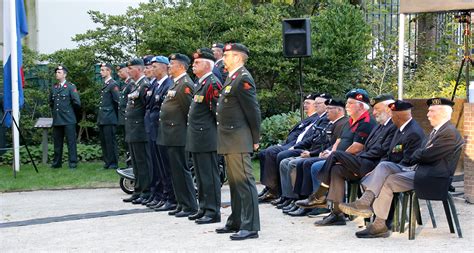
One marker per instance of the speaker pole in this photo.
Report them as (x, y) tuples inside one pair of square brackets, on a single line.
[(301, 88)]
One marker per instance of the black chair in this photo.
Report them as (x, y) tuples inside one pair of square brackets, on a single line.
[(414, 210)]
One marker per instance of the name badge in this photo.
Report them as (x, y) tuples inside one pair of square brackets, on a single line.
[(227, 89)]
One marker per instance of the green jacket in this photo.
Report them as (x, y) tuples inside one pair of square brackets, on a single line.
[(125, 89), (202, 128), (174, 113), (238, 114), (108, 105), (63, 99), (135, 112)]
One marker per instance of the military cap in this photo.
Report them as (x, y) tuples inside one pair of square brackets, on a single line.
[(400, 105), (439, 101), (204, 53), (236, 47), (334, 102), (147, 59), (180, 57), (359, 95), (325, 95), (218, 45), (312, 96), (381, 98), (61, 67), (108, 65), (121, 66), (135, 62), (160, 59)]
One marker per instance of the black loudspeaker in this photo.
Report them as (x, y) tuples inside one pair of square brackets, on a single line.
[(296, 38)]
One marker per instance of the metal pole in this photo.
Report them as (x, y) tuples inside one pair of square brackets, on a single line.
[(401, 55), (301, 89)]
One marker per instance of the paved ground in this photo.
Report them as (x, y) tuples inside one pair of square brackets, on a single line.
[(97, 220)]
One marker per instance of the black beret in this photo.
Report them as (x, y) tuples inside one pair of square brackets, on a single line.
[(61, 67), (439, 101), (325, 95), (136, 61), (218, 45), (312, 96), (236, 47), (108, 65), (381, 98), (121, 66), (204, 53), (147, 59), (180, 57), (400, 105), (359, 95), (334, 102)]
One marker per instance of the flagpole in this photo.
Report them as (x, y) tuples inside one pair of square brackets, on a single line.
[(15, 95)]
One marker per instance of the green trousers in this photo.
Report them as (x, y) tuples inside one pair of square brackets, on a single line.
[(141, 168), (182, 179), (209, 185)]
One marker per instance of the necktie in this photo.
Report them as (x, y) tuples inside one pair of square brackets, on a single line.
[(431, 136)]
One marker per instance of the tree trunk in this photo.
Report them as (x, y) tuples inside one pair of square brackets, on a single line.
[(426, 36)]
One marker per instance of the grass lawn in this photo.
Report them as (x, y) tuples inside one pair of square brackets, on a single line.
[(87, 175)]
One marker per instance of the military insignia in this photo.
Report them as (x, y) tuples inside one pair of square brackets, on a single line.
[(195, 55), (65, 85), (60, 67), (234, 76), (397, 148), (228, 47), (187, 90), (392, 106), (198, 98), (436, 101), (171, 93), (216, 93), (359, 96), (75, 90), (148, 93), (247, 86), (157, 97), (227, 89)]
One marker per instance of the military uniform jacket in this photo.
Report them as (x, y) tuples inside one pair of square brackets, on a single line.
[(238, 114), (314, 134), (202, 128), (174, 113), (404, 144), (135, 112), (123, 99), (63, 99), (159, 95), (378, 143), (219, 66), (108, 105), (435, 163)]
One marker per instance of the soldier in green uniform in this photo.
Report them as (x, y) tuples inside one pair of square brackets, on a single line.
[(173, 120), (107, 117), (63, 100), (125, 88), (238, 133), (136, 137), (201, 139)]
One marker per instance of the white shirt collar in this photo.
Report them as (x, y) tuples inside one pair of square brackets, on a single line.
[(405, 124), (386, 122), (179, 77), (139, 79), (235, 70), (336, 119), (162, 80), (108, 79), (205, 76), (62, 83), (440, 125)]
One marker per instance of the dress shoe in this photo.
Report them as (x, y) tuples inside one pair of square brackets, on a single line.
[(289, 206), (278, 201), (166, 206), (184, 214), (175, 211), (243, 235), (312, 202), (284, 203), (158, 205), (196, 216), (267, 197), (226, 229), (292, 209), (138, 201), (148, 200), (378, 229), (318, 211), (131, 198), (265, 190), (299, 212), (208, 220), (331, 220), (154, 202)]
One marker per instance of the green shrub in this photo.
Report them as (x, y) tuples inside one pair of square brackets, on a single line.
[(84, 153), (275, 129)]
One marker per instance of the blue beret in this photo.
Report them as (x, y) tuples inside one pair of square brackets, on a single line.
[(160, 59)]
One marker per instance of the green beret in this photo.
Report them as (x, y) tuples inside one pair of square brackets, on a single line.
[(236, 47), (334, 102), (61, 67), (121, 66), (108, 65), (204, 53), (180, 57), (135, 62), (381, 98)]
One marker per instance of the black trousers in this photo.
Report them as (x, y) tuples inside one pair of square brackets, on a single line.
[(182, 179), (304, 183), (271, 173), (141, 168), (58, 139), (209, 185), (164, 182), (108, 142)]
